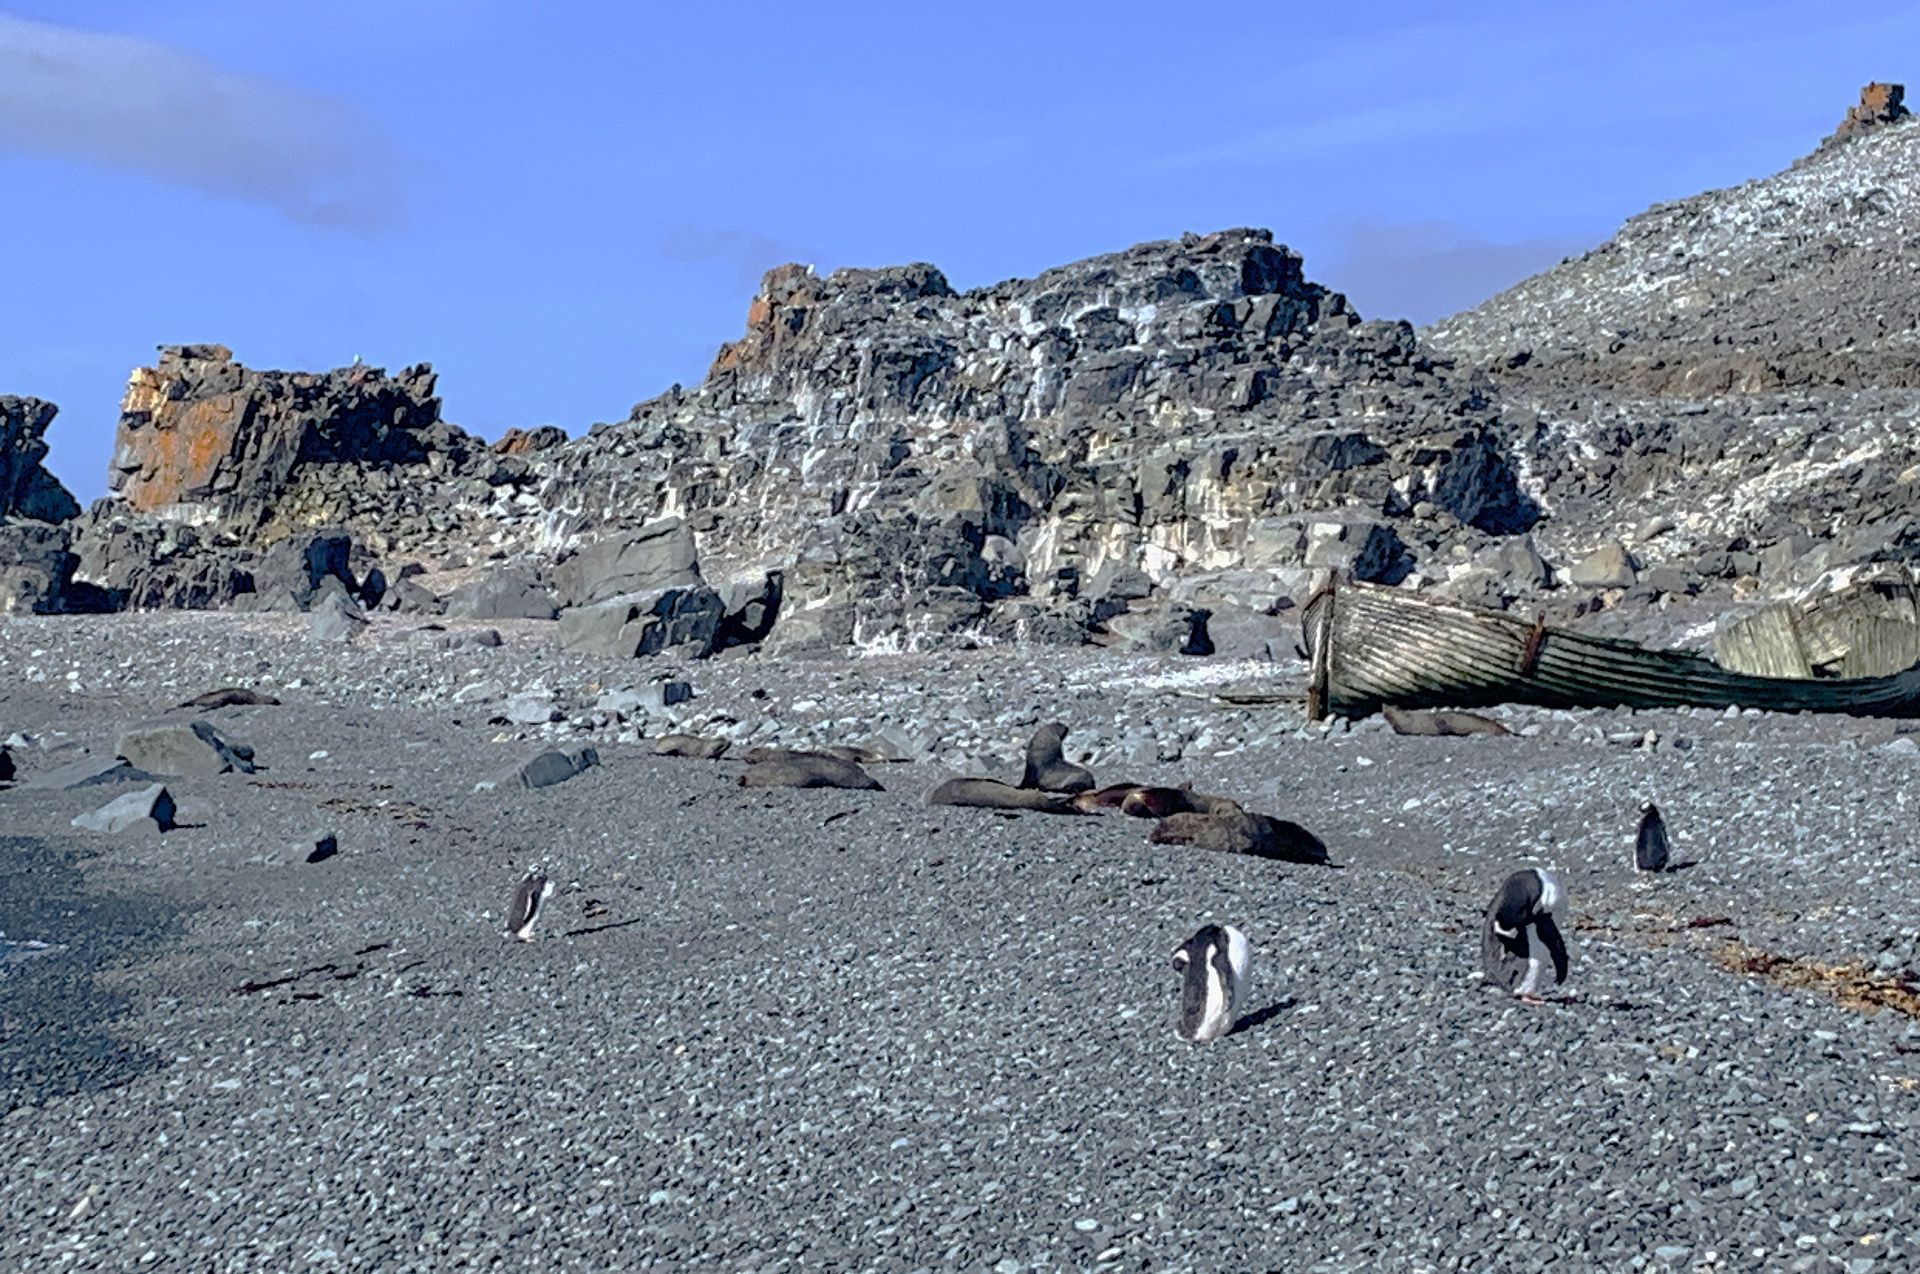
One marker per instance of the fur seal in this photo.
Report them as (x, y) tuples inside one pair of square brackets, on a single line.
[(524, 909), (833, 751), (1047, 770), (808, 769), (231, 697), (1228, 829), (1519, 929), (992, 794), (1216, 968), (687, 745), (1110, 797), (1651, 848), (1443, 724)]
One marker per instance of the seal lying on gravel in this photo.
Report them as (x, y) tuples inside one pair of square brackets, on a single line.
[(231, 697), (1651, 849), (1143, 800), (1229, 829), (1520, 934), (525, 907), (992, 794), (808, 769), (1110, 797), (1047, 769), (836, 751), (1216, 966), (687, 745), (1439, 724)]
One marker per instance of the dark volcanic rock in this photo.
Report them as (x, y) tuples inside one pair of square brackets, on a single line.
[(203, 436), (27, 490), (36, 567), (683, 620), (658, 556), (507, 592)]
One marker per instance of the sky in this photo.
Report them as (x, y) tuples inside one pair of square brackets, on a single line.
[(565, 207)]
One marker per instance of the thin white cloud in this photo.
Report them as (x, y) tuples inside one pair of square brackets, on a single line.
[(150, 108)]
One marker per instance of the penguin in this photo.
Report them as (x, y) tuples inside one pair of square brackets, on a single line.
[(1519, 925), (1216, 965), (525, 907), (1651, 849)]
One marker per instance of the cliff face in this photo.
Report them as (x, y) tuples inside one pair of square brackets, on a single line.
[(1184, 407), (1730, 385), (204, 439)]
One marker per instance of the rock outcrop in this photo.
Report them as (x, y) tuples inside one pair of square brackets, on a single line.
[(1727, 393), (27, 490), (913, 459), (203, 439), (1879, 105)]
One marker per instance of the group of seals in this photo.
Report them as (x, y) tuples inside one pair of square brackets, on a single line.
[(1050, 784)]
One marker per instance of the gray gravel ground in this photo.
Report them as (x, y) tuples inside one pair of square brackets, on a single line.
[(832, 1030)]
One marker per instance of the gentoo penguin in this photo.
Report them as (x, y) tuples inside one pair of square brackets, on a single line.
[(525, 907), (1519, 924), (1651, 849), (1217, 971)]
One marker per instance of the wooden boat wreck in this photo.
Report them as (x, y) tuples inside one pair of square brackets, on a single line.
[(1371, 645)]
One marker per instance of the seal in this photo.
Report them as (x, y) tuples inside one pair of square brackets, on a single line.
[(807, 769), (1047, 769), (687, 745), (1228, 829), (231, 697), (1443, 724), (834, 751), (992, 794)]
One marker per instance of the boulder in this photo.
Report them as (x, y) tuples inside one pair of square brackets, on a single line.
[(89, 772), (36, 567), (182, 748), (507, 592), (544, 768), (1609, 566), (520, 442), (293, 569), (656, 557), (1167, 629), (685, 621), (150, 807), (751, 603), (27, 490), (335, 618), (6, 764)]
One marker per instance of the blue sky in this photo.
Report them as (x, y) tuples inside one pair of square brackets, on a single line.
[(565, 206)]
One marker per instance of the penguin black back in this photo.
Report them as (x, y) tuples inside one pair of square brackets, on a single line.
[(1651, 849)]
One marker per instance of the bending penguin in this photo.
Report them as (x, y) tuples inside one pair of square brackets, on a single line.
[(1520, 936), (525, 907), (1216, 964), (1651, 848)]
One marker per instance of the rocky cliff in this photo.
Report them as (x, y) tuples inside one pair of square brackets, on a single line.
[(1190, 419), (205, 440), (27, 490), (1728, 390)]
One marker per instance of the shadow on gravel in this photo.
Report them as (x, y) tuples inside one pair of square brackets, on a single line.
[(1254, 1021), (56, 1022)]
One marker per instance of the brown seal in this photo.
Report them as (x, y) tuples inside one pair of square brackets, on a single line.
[(1443, 724), (1047, 769), (835, 751), (992, 794), (688, 745), (807, 769), (231, 697), (1236, 831)]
